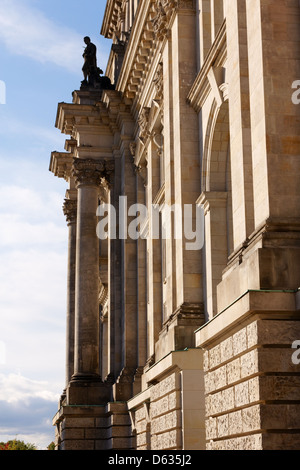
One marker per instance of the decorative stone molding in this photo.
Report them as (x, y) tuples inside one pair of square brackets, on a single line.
[(103, 294), (61, 164), (70, 210), (113, 18), (163, 13), (160, 21), (132, 148), (143, 122), (91, 171), (88, 172), (158, 81), (109, 170)]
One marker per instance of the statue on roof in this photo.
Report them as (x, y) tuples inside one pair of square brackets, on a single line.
[(90, 69)]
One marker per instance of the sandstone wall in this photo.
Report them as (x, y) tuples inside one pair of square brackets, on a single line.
[(252, 389)]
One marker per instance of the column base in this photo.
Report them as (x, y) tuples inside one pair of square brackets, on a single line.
[(88, 390)]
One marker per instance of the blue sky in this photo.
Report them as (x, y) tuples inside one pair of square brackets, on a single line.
[(41, 46)]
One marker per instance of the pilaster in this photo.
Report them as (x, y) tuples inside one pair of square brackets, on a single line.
[(274, 64), (186, 150), (239, 114)]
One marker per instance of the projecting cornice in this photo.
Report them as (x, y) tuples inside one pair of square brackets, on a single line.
[(151, 27), (93, 127), (61, 164), (111, 18), (71, 115)]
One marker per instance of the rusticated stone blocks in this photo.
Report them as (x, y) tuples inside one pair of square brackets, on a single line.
[(165, 414), (252, 388), (94, 427)]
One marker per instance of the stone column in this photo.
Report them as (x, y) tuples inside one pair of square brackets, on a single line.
[(88, 174), (70, 211)]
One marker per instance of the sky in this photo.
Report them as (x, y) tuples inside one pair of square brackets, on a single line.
[(41, 46)]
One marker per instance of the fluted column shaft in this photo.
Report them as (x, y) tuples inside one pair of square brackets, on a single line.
[(70, 211), (88, 174)]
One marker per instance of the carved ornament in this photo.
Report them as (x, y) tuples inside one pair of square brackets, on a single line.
[(91, 172), (70, 210)]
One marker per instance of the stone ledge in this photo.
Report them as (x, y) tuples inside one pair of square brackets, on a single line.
[(190, 359), (248, 307), (71, 411)]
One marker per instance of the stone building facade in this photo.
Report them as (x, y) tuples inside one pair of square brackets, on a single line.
[(175, 342)]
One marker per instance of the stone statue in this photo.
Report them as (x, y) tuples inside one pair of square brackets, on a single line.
[(90, 69), (91, 72)]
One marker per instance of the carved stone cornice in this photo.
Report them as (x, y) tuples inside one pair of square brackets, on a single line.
[(70, 210), (61, 164), (113, 16), (153, 20), (91, 172)]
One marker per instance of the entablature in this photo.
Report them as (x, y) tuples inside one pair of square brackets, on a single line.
[(150, 29)]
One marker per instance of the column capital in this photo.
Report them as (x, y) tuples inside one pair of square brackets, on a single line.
[(70, 210), (91, 172)]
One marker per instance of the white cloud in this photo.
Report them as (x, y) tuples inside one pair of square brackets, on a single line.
[(16, 389), (12, 126), (30, 218), (26, 409), (33, 278), (27, 31)]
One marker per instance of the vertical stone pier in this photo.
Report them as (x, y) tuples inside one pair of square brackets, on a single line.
[(86, 386), (70, 211)]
